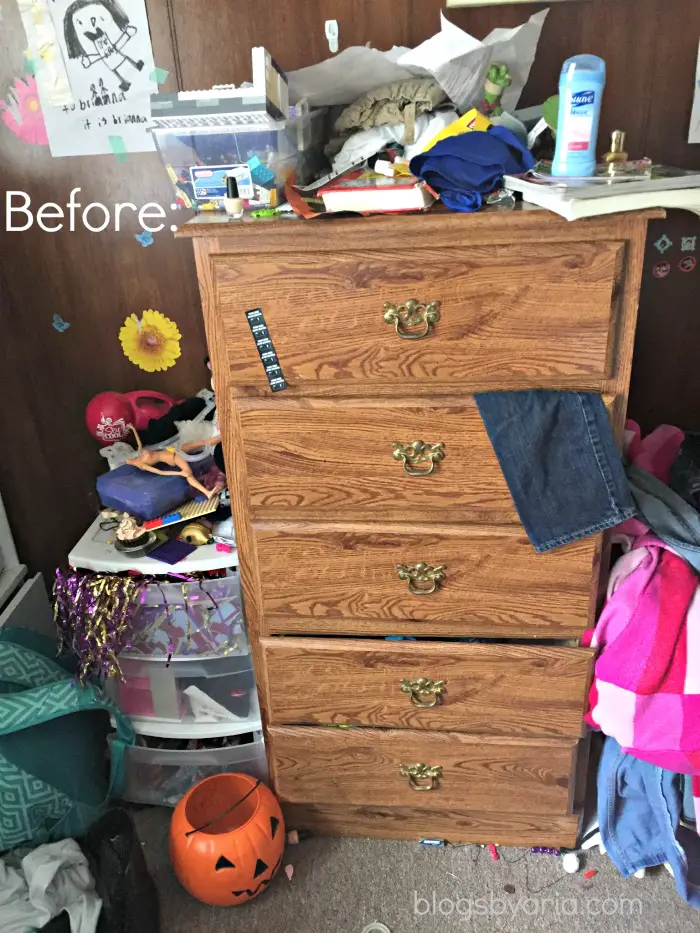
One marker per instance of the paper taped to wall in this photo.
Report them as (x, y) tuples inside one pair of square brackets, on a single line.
[(106, 48), (694, 132), (43, 49), (457, 61)]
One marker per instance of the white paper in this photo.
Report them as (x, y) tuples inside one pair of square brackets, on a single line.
[(457, 61), (45, 52), (516, 48), (109, 61), (345, 77), (694, 132)]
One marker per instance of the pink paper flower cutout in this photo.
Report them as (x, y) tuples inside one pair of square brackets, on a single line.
[(22, 113)]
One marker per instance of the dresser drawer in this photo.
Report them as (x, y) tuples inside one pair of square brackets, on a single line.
[(456, 827), (534, 313), (382, 767), (367, 579), (338, 459), (488, 688)]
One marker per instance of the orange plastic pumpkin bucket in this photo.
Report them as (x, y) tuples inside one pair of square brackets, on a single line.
[(227, 839)]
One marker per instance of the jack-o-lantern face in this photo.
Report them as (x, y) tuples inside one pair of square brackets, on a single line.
[(225, 854)]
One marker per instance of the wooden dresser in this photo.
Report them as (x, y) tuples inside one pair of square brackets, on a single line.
[(368, 503)]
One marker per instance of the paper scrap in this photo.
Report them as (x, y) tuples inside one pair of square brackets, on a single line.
[(145, 238), (106, 48), (118, 147), (44, 58), (457, 61), (694, 133), (159, 75)]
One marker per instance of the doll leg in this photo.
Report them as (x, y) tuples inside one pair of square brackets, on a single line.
[(209, 493)]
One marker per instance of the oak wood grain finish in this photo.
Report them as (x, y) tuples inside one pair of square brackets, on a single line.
[(497, 319), (324, 512), (439, 227), (236, 474), (362, 766), (335, 460), (327, 579), (490, 689), (460, 826)]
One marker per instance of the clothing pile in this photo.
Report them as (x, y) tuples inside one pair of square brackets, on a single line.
[(51, 879), (567, 481), (646, 692)]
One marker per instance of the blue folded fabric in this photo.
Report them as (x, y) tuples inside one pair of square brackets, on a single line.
[(463, 168)]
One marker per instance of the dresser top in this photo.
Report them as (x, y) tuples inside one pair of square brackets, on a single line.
[(525, 219)]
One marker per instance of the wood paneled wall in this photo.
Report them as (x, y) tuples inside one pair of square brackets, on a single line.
[(49, 462)]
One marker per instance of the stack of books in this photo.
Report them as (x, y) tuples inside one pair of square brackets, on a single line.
[(577, 198)]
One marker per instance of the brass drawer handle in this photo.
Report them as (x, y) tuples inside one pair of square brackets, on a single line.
[(417, 452), (424, 693), (412, 314), (419, 774), (422, 578)]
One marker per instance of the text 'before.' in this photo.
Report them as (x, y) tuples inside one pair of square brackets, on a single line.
[(96, 217)]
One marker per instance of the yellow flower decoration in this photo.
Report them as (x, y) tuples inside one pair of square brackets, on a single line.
[(151, 343)]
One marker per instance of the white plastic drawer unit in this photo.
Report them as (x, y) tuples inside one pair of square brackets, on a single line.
[(161, 776), (194, 619), (206, 696)]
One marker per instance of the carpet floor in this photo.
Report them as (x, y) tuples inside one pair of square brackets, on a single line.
[(342, 885)]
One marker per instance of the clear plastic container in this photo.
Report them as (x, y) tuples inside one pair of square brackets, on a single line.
[(198, 159), (261, 158), (161, 776), (214, 691), (200, 619)]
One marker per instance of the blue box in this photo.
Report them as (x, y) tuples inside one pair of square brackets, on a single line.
[(140, 493)]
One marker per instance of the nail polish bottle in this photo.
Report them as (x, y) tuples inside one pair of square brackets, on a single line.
[(232, 203)]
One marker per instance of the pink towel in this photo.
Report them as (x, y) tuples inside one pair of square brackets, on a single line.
[(646, 692)]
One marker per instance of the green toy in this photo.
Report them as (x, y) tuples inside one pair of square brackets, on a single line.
[(550, 112), (497, 80)]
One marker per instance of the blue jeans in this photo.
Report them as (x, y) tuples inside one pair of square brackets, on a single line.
[(559, 459), (639, 813)]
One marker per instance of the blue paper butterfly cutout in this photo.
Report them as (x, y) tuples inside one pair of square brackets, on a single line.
[(59, 324), (145, 238)]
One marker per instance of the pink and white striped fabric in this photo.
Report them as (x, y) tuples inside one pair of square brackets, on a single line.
[(646, 692)]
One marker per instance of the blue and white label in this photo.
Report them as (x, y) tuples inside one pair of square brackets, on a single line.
[(209, 181), (582, 99), (579, 126)]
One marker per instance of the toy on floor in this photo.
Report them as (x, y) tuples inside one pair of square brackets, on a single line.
[(227, 839), (147, 460)]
